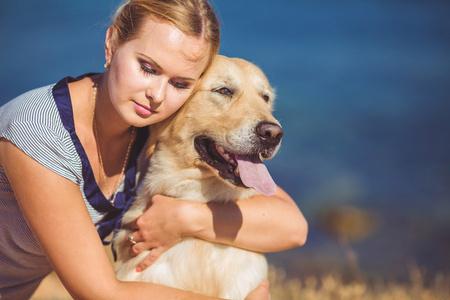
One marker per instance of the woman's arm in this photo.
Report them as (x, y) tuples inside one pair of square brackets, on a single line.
[(267, 223), (56, 213), (261, 223)]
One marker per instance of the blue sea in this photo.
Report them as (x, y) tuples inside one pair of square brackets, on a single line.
[(363, 96)]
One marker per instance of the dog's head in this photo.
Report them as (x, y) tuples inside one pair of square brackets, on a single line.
[(227, 126)]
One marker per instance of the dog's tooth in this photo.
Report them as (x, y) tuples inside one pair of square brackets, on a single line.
[(226, 156), (236, 171), (220, 149), (230, 159)]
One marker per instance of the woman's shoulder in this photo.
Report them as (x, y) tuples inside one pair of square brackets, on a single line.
[(33, 123), (34, 104), (33, 116)]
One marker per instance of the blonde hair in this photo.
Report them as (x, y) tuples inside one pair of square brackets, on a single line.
[(193, 17)]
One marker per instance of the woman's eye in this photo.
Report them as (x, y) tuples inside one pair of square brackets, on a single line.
[(225, 91), (180, 85), (147, 69)]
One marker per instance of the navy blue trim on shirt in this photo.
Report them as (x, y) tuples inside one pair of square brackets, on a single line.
[(94, 195)]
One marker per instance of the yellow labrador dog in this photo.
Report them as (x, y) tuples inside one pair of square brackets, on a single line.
[(210, 150)]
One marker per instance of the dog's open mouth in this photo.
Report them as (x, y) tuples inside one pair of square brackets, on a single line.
[(238, 169)]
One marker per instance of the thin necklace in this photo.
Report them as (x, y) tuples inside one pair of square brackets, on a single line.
[(102, 168)]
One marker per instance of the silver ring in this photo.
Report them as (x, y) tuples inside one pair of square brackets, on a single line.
[(131, 239)]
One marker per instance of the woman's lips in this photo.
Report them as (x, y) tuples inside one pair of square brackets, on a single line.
[(143, 110)]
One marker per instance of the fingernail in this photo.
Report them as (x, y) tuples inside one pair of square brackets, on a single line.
[(138, 269)]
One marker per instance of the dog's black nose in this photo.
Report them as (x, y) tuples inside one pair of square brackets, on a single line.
[(269, 133)]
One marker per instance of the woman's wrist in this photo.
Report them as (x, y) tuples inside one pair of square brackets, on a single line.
[(194, 218), (215, 221)]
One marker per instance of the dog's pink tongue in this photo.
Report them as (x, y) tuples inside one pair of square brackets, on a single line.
[(254, 174)]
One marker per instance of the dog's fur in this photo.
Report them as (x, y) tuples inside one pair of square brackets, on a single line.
[(177, 170)]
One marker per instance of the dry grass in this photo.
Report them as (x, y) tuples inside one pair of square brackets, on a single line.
[(332, 287)]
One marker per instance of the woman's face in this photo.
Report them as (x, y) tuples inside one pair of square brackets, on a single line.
[(153, 75)]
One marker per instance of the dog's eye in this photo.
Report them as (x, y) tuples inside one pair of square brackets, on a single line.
[(266, 98), (225, 91)]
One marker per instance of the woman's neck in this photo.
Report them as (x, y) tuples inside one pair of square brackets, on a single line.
[(111, 127)]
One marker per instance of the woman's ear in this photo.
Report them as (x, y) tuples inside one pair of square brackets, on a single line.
[(110, 43)]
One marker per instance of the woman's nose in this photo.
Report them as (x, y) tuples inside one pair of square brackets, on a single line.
[(156, 93)]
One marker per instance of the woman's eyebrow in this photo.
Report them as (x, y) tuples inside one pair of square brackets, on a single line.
[(160, 68), (150, 60)]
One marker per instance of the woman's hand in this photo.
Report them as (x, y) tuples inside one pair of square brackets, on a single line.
[(159, 228), (260, 293)]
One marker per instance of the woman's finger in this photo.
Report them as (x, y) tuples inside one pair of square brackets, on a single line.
[(149, 259), (131, 239), (261, 292), (133, 225)]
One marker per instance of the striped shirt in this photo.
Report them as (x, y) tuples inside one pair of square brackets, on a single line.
[(40, 123)]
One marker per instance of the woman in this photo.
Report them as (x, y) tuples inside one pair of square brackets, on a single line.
[(71, 158)]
